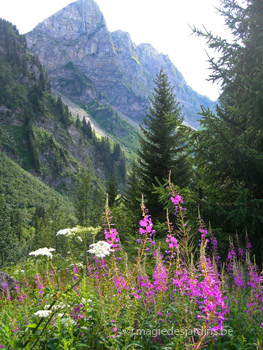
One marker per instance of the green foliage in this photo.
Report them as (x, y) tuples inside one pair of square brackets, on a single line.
[(122, 131), (229, 146), (162, 144), (24, 191), (87, 198), (6, 233), (132, 198), (63, 112), (74, 82), (112, 190), (86, 128)]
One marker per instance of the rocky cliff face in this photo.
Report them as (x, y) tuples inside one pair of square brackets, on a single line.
[(87, 63), (77, 50)]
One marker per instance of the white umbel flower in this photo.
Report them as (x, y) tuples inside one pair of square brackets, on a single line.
[(43, 251), (67, 232), (100, 249), (43, 313)]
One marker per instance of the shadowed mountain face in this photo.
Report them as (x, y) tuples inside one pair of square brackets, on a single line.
[(87, 63)]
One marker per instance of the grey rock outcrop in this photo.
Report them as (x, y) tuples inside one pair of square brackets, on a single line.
[(7, 282)]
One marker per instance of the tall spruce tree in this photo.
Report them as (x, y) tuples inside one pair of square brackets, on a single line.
[(162, 144), (229, 148)]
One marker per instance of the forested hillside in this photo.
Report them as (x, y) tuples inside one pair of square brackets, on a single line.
[(37, 129)]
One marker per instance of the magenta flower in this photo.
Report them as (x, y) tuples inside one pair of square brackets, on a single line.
[(178, 199), (146, 225), (112, 238), (160, 277), (147, 230), (172, 242), (120, 283)]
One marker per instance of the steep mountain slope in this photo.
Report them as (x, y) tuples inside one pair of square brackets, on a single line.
[(87, 63), (24, 191), (37, 129)]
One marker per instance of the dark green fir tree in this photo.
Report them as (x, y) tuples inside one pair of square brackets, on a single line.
[(162, 145), (229, 147)]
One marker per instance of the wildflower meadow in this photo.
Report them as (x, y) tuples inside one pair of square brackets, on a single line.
[(169, 296)]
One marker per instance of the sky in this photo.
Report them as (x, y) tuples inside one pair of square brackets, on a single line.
[(165, 24)]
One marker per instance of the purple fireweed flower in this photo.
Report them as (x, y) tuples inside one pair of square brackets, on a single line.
[(112, 238), (206, 292), (176, 201), (146, 226), (255, 283), (238, 280), (172, 242), (146, 289), (240, 252), (146, 229), (75, 269), (120, 283), (160, 277), (203, 232), (231, 257)]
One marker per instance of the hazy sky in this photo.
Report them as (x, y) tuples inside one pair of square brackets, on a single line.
[(162, 23)]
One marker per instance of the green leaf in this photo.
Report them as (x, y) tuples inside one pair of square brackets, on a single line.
[(32, 325)]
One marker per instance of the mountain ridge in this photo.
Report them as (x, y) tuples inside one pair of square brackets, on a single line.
[(115, 71)]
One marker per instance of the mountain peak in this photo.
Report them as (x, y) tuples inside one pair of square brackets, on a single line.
[(87, 63), (80, 17)]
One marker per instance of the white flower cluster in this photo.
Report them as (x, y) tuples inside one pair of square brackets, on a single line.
[(43, 251), (77, 264), (43, 313), (67, 232), (100, 249), (59, 306)]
